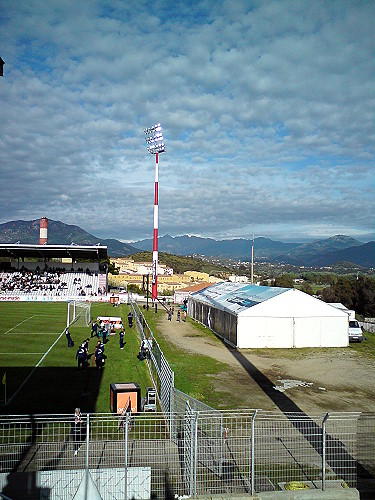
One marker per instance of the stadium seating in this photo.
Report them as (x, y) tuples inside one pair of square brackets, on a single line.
[(50, 284)]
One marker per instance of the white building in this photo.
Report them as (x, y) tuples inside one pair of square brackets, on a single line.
[(238, 279), (251, 316)]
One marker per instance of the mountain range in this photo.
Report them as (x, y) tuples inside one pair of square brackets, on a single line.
[(27, 232), (324, 252), (319, 253)]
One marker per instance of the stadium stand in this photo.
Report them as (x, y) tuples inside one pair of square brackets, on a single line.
[(50, 284), (52, 272)]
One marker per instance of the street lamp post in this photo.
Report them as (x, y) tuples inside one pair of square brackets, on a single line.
[(155, 145)]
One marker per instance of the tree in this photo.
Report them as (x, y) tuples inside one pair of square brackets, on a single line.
[(284, 281), (307, 288), (356, 293)]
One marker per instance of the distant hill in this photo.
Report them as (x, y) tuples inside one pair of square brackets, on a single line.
[(311, 254), (27, 232), (232, 249), (324, 252), (363, 255)]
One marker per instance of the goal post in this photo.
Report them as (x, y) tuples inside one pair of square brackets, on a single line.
[(79, 313)]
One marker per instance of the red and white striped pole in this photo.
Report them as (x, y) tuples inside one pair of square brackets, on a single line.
[(154, 291), (155, 145)]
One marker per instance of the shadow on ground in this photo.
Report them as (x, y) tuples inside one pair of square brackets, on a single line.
[(337, 456), (49, 390)]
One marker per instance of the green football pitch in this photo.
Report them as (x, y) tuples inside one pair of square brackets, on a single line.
[(39, 371)]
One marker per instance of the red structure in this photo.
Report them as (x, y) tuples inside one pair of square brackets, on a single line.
[(154, 290), (155, 145), (43, 231)]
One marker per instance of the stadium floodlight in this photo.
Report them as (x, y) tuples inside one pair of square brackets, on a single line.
[(155, 145), (154, 139)]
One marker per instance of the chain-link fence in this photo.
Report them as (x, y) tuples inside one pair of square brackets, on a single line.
[(240, 452), (161, 372), (248, 452)]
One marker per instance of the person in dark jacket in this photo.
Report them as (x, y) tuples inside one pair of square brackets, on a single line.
[(99, 355), (121, 338), (130, 319), (94, 329), (81, 358), (69, 338)]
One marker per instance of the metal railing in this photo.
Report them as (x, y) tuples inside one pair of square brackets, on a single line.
[(161, 373), (242, 452)]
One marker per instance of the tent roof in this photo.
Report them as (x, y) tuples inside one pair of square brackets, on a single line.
[(236, 297), (15, 251), (251, 300)]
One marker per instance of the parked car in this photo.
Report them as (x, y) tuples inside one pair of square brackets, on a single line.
[(355, 331)]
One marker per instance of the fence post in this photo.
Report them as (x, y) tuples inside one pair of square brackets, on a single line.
[(87, 454), (195, 427), (324, 452), (127, 421), (252, 451), (87, 441)]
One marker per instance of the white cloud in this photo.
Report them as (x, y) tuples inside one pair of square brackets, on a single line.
[(267, 111)]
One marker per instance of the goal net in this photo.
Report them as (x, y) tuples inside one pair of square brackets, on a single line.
[(79, 313)]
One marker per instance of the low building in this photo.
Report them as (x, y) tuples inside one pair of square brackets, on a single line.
[(251, 316), (195, 276), (127, 266)]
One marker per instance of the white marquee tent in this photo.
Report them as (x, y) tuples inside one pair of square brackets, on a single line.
[(251, 316)]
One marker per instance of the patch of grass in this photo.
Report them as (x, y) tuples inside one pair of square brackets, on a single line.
[(294, 354), (366, 347), (28, 331), (194, 374)]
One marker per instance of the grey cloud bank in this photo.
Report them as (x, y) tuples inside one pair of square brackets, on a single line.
[(267, 110)]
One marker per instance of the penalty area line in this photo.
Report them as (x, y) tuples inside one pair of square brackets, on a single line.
[(20, 353), (35, 367), (18, 324), (35, 333)]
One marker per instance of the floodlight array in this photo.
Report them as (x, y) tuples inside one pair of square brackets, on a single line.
[(154, 139)]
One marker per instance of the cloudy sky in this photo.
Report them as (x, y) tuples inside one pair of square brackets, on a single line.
[(267, 109)]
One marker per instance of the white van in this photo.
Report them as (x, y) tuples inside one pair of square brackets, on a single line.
[(355, 331)]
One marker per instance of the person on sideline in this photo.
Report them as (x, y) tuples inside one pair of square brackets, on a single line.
[(69, 338), (99, 355), (130, 319), (81, 357), (77, 430), (121, 338)]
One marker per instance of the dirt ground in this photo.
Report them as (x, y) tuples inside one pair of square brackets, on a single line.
[(308, 380)]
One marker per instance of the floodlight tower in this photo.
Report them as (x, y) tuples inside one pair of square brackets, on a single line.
[(155, 145)]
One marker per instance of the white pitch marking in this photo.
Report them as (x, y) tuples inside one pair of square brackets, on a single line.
[(18, 353), (27, 319), (35, 367), (36, 333)]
